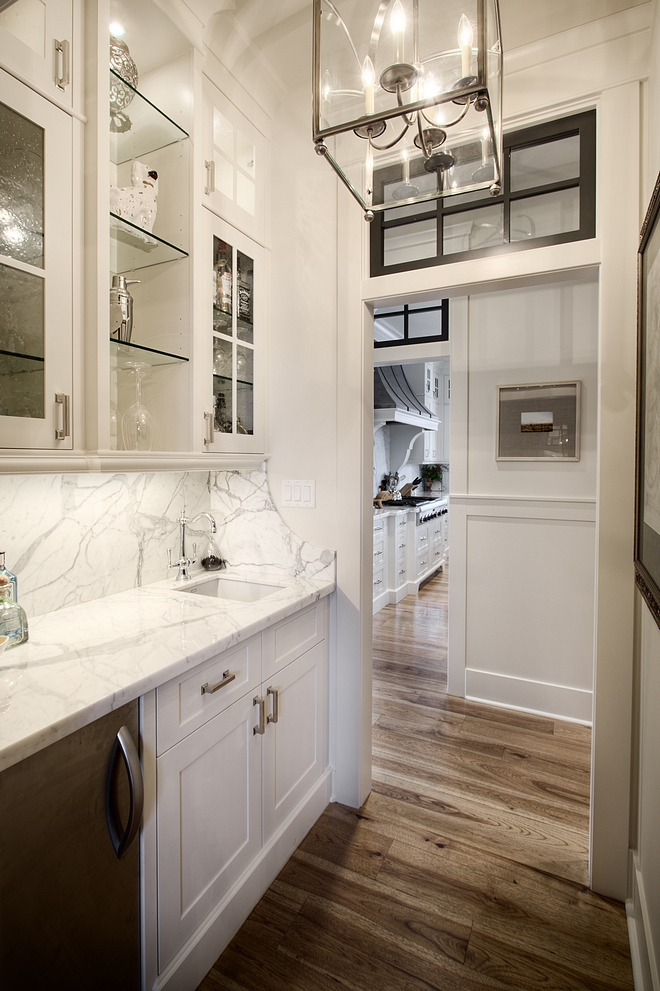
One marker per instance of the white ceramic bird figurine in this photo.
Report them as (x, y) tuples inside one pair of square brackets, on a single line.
[(137, 202)]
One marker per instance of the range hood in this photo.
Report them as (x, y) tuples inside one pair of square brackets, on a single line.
[(395, 402)]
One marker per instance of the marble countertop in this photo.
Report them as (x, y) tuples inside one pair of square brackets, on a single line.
[(86, 660)]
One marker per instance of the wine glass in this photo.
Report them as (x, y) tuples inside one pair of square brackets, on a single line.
[(137, 424)]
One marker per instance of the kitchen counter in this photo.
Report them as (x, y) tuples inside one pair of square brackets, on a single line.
[(390, 508), (86, 660)]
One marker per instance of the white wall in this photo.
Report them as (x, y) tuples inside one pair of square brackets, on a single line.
[(644, 893), (523, 534)]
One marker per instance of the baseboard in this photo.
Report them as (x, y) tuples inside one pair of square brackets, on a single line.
[(555, 701), (644, 963), (195, 959)]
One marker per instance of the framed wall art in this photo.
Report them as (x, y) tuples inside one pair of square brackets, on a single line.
[(647, 524), (538, 422)]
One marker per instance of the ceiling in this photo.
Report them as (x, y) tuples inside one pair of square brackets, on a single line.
[(275, 35)]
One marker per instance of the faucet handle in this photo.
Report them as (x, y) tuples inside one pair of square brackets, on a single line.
[(169, 558)]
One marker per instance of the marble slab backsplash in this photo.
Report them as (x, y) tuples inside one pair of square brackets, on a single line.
[(75, 538)]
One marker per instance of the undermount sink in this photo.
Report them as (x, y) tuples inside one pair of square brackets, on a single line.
[(233, 588)]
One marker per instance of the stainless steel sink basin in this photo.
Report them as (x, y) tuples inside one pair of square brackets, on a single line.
[(232, 588)]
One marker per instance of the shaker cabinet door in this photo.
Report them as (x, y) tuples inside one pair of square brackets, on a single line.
[(209, 820), (36, 302), (36, 42), (294, 746)]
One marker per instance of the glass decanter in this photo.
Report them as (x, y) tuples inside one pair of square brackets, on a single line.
[(211, 559), (137, 424), (13, 621)]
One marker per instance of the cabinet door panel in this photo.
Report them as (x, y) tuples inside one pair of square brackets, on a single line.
[(36, 313), (30, 30), (294, 751), (237, 156), (209, 820), (235, 286)]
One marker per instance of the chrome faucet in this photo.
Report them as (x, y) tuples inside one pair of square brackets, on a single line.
[(184, 561)]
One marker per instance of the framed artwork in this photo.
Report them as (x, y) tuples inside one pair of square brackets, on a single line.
[(647, 522), (539, 422)]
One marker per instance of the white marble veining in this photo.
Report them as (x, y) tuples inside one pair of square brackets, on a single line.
[(83, 661), (79, 538), (253, 534)]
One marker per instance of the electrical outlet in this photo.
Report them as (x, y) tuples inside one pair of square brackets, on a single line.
[(299, 493)]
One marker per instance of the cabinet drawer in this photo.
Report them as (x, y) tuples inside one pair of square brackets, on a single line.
[(379, 552), (424, 560), (291, 637), (400, 576), (182, 705), (379, 581), (379, 529), (401, 523)]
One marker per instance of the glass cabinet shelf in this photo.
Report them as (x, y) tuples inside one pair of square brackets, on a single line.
[(135, 248), (227, 378), (146, 128), (122, 354)]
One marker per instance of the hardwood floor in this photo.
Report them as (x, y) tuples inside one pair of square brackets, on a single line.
[(467, 866)]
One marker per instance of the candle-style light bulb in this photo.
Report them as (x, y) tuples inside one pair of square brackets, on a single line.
[(398, 26), (368, 80), (326, 85), (485, 140), (406, 166), (465, 39)]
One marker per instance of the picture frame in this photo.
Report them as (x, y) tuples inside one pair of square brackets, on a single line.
[(647, 467), (539, 421)]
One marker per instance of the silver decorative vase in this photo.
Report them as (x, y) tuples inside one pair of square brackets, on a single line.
[(120, 95)]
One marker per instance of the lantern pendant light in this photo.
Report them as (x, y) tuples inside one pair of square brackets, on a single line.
[(397, 84)]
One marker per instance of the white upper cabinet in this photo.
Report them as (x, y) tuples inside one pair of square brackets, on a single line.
[(236, 165), (36, 307), (36, 44)]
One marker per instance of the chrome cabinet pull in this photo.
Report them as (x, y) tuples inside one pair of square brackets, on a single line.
[(423, 538), (402, 572), (63, 62), (210, 432), (65, 430), (227, 678), (379, 582), (260, 728), (210, 177), (274, 716), (126, 749)]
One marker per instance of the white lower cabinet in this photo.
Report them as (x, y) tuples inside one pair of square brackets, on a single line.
[(238, 782)]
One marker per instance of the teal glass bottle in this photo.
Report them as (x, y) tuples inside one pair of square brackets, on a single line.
[(8, 574), (13, 621)]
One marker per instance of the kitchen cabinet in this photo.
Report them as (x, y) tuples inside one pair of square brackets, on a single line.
[(380, 554), (236, 164), (69, 908), (36, 43), (235, 302), (36, 245), (231, 776)]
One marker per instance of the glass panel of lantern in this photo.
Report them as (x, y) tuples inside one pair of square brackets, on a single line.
[(400, 96)]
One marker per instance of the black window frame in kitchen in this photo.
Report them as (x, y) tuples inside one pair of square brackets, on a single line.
[(404, 310), (582, 124)]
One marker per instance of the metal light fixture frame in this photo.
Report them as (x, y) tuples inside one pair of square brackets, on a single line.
[(475, 93)]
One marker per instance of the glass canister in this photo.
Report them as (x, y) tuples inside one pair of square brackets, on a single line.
[(13, 621), (211, 559)]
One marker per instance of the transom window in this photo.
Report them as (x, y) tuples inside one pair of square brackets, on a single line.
[(412, 323), (548, 197)]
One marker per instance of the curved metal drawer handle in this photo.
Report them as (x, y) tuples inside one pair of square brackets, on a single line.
[(125, 747)]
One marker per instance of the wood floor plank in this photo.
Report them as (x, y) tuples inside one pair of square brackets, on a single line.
[(466, 868)]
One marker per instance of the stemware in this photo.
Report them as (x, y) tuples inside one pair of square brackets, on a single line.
[(137, 424)]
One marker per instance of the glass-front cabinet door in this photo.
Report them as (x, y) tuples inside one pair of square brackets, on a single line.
[(35, 270), (236, 303)]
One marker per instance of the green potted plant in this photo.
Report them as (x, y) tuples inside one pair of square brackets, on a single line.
[(431, 474)]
